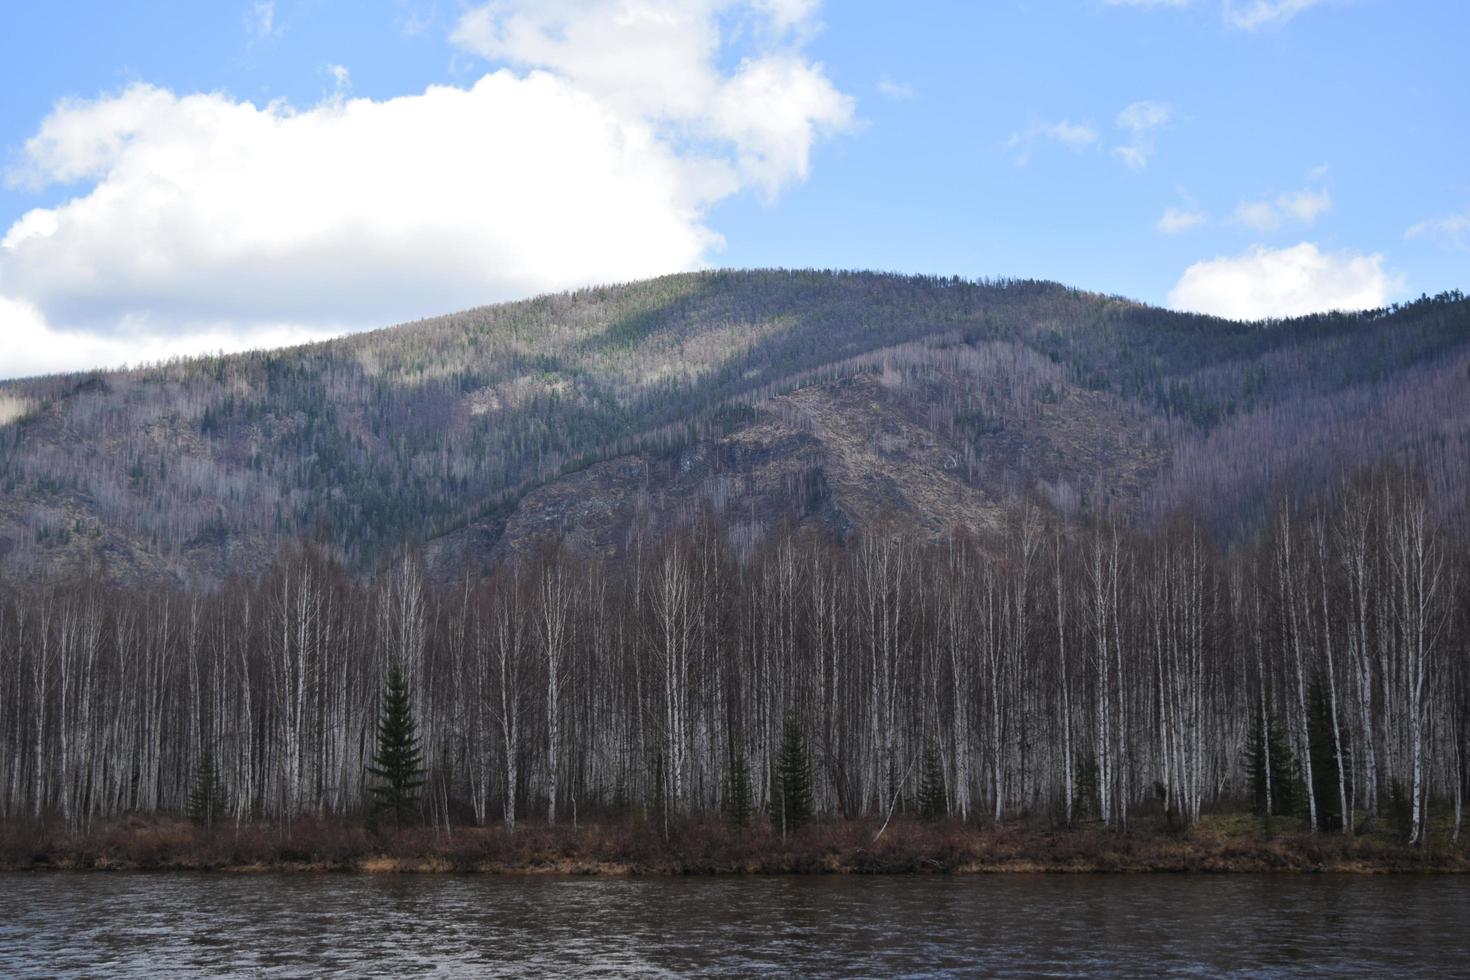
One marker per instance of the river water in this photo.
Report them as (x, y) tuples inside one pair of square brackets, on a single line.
[(1005, 925)]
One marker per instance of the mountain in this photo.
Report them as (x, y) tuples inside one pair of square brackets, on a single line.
[(837, 399)]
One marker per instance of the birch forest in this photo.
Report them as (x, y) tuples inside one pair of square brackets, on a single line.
[(1057, 671)]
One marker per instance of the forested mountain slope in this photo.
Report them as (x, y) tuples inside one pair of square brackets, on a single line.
[(767, 397)]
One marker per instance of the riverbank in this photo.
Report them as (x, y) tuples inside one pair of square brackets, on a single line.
[(1218, 844)]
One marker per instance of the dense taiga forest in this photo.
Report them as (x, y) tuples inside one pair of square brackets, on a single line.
[(990, 551)]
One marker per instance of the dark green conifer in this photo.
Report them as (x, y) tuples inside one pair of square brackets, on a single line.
[(739, 802), (933, 799), (1325, 761), (792, 807), (660, 793), (1284, 774), (399, 760), (1400, 808), (1086, 789), (207, 802)]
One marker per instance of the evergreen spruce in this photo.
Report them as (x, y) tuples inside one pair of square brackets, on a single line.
[(398, 763), (1285, 776), (739, 803), (660, 794), (792, 806), (933, 799), (1325, 762), (1400, 808), (207, 802), (1086, 801)]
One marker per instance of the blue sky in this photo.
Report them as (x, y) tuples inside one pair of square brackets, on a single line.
[(184, 177)]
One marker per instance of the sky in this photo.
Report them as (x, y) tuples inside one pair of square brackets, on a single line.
[(179, 178)]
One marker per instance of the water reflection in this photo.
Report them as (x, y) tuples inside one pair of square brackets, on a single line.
[(1009, 925)]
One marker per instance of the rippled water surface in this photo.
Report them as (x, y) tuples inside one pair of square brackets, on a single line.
[(171, 924)]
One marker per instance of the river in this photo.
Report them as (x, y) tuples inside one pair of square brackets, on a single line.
[(1005, 925)]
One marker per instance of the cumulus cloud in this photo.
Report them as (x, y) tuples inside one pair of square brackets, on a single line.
[(1177, 221), (1140, 120), (1285, 282), (33, 347), (210, 210), (658, 60), (200, 221)]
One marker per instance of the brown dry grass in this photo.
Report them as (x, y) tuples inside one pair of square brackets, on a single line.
[(1230, 844)]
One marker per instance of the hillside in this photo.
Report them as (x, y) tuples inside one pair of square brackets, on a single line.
[(845, 399)]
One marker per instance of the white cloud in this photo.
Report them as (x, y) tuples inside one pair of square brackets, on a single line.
[(1303, 207), (1257, 215), (658, 61), (1141, 117), (32, 347), (341, 81), (1133, 157), (203, 222), (357, 212), (1450, 229), (1074, 136), (416, 21), (1176, 221), (789, 14), (1285, 282), (1140, 120), (1246, 15), (897, 91), (1250, 15), (260, 21)]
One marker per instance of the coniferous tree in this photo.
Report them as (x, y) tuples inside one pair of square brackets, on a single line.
[(207, 801), (660, 799), (399, 759), (1325, 762), (1085, 794), (1271, 758), (1400, 808), (739, 799), (933, 800), (793, 800)]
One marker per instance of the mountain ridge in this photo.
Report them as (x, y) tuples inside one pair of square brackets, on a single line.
[(732, 392)]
